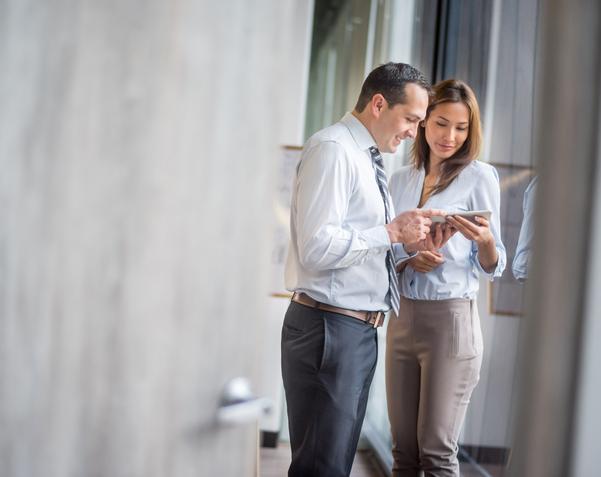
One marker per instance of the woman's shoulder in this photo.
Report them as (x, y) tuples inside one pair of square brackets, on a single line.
[(405, 173), (404, 179), (482, 171)]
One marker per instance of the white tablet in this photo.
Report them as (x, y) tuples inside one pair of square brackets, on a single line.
[(469, 215)]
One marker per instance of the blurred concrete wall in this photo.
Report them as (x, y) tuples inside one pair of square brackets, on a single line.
[(137, 147)]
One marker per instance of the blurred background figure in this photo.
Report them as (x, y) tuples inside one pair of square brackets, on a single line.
[(525, 240), (524, 246)]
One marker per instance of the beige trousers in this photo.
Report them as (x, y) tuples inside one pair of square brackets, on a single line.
[(433, 358)]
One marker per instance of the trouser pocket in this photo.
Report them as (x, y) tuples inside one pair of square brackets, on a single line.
[(303, 338), (466, 335)]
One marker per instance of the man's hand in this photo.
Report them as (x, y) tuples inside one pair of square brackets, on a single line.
[(433, 241), (411, 226), (425, 262)]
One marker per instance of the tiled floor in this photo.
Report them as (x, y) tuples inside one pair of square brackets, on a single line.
[(468, 470), (274, 463)]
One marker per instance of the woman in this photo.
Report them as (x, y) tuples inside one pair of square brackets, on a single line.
[(434, 346)]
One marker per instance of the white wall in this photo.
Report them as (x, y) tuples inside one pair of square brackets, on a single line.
[(291, 133)]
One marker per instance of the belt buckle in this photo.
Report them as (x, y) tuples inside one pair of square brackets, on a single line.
[(379, 317)]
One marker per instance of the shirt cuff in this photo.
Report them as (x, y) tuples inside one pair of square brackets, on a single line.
[(519, 274), (400, 254), (376, 238), (497, 271)]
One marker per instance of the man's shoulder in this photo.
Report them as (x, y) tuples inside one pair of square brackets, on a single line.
[(336, 134)]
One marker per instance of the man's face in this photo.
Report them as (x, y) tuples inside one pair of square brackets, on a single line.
[(392, 125)]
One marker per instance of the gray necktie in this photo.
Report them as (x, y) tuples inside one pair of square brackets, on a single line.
[(390, 264)]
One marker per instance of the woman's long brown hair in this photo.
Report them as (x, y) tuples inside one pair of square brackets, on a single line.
[(450, 91)]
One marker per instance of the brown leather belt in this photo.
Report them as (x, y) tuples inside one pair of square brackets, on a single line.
[(375, 318)]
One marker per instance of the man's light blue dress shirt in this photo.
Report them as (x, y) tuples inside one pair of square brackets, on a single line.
[(337, 252)]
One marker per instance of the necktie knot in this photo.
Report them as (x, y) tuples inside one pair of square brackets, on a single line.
[(376, 156)]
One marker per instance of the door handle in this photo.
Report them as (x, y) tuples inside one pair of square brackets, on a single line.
[(239, 405)]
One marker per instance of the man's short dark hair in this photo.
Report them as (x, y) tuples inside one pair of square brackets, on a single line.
[(389, 80)]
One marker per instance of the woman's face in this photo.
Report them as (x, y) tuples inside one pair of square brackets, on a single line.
[(447, 129)]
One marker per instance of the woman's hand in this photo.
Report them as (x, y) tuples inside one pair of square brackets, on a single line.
[(435, 240), (428, 258), (425, 262), (479, 233), (442, 234)]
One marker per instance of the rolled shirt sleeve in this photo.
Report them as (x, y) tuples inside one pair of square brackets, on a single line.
[(487, 196), (324, 188), (398, 249)]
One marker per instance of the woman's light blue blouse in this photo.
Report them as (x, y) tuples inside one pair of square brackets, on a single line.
[(475, 188)]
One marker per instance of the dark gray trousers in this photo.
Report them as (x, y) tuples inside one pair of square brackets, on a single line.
[(328, 362)]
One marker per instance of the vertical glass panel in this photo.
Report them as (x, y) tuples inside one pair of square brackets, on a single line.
[(340, 37)]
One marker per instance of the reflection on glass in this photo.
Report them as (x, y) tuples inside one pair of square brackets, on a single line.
[(524, 246)]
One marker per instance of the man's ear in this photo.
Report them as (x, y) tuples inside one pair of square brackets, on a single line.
[(377, 104)]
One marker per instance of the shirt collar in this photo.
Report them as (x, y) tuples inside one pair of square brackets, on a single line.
[(360, 133)]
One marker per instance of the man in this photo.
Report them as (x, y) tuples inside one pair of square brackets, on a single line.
[(521, 260), (341, 268)]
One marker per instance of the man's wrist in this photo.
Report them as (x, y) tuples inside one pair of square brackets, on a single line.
[(410, 249), (392, 233)]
